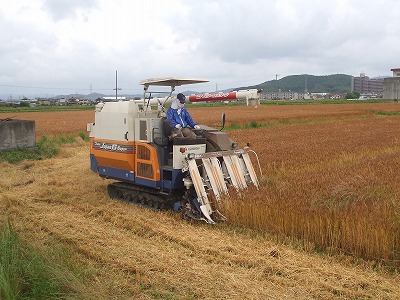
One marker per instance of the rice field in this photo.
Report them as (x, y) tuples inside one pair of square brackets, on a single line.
[(335, 186), (73, 122), (324, 224)]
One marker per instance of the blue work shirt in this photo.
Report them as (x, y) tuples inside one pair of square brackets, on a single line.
[(184, 118)]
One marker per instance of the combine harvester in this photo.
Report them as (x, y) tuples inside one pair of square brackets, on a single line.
[(130, 141)]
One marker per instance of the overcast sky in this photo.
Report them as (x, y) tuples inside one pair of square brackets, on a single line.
[(51, 47)]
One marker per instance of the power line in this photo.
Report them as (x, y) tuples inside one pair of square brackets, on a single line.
[(61, 88)]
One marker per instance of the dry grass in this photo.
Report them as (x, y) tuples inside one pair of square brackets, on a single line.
[(136, 253), (324, 183)]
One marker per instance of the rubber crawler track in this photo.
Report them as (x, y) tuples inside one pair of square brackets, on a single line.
[(142, 196)]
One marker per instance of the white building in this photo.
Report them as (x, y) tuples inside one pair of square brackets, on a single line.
[(391, 86)]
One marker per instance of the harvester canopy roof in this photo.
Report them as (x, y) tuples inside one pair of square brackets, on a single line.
[(171, 81)]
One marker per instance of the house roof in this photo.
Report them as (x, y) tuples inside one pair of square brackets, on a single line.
[(395, 69)]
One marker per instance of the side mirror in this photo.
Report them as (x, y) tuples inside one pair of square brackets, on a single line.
[(223, 121)]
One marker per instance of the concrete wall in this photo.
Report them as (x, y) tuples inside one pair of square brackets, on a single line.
[(391, 88), (16, 133)]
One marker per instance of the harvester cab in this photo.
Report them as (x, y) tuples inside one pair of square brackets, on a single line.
[(131, 143)]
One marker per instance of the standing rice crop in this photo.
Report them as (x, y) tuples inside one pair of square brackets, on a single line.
[(330, 186)]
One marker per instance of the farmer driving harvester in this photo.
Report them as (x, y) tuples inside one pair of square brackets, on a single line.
[(181, 119)]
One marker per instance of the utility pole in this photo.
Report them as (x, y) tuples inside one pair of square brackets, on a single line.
[(305, 84), (277, 90), (116, 85)]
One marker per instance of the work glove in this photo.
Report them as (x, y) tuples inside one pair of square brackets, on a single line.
[(178, 126), (196, 127)]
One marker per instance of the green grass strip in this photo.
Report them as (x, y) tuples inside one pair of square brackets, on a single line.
[(23, 272), (46, 147), (46, 108)]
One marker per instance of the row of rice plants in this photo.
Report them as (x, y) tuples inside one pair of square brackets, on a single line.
[(332, 187), (365, 229)]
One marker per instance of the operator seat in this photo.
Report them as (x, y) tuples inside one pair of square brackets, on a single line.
[(166, 128)]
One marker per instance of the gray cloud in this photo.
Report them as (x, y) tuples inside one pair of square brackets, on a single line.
[(23, 48), (75, 44), (68, 9), (266, 30)]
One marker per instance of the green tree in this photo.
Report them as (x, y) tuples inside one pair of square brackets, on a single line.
[(353, 95), (24, 104)]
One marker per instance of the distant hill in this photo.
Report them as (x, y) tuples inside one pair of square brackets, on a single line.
[(93, 96), (338, 83)]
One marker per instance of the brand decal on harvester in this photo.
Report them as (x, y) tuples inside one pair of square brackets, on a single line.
[(113, 147), (192, 148)]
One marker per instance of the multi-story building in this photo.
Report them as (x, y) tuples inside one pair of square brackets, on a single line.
[(283, 95), (369, 86)]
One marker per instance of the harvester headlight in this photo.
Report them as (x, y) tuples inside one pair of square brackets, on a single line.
[(191, 155), (234, 145)]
